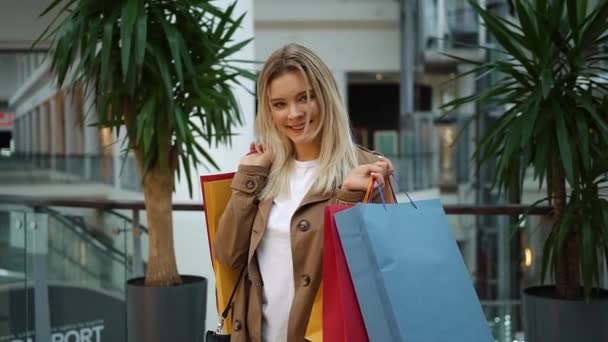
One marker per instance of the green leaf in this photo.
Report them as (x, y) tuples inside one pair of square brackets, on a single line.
[(182, 122), (598, 120), (234, 48), (227, 37), (546, 81), (563, 141), (527, 26), (141, 36), (106, 50), (564, 227), (556, 12), (173, 38), (530, 115), (188, 172), (53, 5), (128, 18), (593, 28), (47, 31), (583, 139), (548, 255), (163, 70), (573, 15), (508, 39), (461, 59), (541, 6)]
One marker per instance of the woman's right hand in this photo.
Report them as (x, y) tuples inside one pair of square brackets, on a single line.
[(359, 177), (257, 156)]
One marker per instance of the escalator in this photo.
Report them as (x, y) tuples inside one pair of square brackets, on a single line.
[(61, 278)]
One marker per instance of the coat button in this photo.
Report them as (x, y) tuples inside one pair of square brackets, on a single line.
[(250, 185), (237, 325), (303, 225), (305, 280)]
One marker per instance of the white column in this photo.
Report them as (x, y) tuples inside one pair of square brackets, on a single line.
[(56, 108), (46, 110), (91, 134), (70, 124), (342, 83), (76, 105), (44, 131), (27, 131), (441, 24), (117, 156), (17, 134), (36, 132), (466, 86)]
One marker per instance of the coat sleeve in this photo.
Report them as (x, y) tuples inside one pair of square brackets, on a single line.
[(233, 234)]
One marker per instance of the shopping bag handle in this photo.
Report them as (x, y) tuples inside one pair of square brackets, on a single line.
[(370, 190)]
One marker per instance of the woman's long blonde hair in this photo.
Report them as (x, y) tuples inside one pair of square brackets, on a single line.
[(338, 152)]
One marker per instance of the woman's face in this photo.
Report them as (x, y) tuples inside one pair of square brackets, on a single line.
[(289, 107)]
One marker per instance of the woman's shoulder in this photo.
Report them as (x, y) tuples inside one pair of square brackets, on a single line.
[(366, 156)]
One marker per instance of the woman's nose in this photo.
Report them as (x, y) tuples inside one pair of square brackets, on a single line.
[(295, 112)]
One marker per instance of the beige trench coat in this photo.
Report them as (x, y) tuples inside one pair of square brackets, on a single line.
[(240, 231)]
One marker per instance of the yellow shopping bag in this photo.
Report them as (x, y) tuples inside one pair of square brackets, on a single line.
[(216, 193)]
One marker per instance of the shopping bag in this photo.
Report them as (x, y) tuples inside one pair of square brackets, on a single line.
[(342, 320), (216, 193), (411, 282)]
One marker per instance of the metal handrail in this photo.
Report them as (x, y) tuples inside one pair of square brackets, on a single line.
[(106, 204), (128, 219), (104, 247)]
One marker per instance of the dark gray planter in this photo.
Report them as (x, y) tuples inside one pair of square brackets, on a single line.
[(163, 314), (548, 319)]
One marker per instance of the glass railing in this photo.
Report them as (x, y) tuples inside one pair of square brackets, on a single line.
[(60, 277), (63, 265), (56, 169), (68, 169)]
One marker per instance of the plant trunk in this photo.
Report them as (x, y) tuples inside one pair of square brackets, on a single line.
[(158, 195), (568, 267), (158, 187)]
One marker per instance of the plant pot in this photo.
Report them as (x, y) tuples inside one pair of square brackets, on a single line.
[(549, 319), (161, 314)]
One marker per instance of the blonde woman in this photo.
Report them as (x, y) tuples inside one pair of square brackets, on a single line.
[(273, 224)]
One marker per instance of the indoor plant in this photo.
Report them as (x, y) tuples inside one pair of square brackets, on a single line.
[(551, 91), (162, 70)]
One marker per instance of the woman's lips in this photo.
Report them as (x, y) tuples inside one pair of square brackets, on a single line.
[(298, 127)]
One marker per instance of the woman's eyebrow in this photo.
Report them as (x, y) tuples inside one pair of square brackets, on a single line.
[(310, 91), (303, 92)]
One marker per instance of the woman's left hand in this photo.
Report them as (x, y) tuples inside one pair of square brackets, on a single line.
[(359, 177)]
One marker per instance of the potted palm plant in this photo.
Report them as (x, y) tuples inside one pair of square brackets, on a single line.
[(161, 70), (551, 87)]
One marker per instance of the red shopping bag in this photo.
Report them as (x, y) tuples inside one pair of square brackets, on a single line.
[(342, 320)]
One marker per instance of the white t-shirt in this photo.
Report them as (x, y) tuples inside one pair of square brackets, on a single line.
[(274, 253)]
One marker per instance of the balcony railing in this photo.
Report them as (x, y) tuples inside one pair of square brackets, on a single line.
[(45, 234), (68, 169), (448, 23)]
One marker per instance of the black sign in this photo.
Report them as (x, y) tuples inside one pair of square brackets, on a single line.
[(77, 315)]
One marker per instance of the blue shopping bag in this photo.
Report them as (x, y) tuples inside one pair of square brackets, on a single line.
[(411, 282)]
